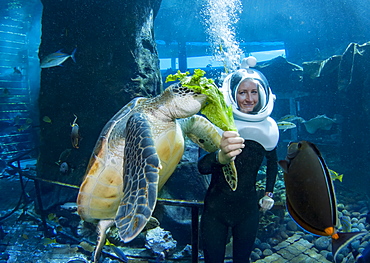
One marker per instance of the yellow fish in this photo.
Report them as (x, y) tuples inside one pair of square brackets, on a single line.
[(120, 254), (23, 127), (285, 125), (47, 241), (53, 217), (335, 176), (291, 118), (46, 119)]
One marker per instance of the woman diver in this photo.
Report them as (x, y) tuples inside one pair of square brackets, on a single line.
[(248, 91)]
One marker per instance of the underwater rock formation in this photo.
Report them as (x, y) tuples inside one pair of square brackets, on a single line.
[(116, 60), (159, 241), (282, 75), (340, 84), (186, 183)]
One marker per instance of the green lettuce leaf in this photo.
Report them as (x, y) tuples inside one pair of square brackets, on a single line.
[(215, 109)]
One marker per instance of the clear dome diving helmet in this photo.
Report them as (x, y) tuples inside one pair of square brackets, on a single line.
[(256, 125)]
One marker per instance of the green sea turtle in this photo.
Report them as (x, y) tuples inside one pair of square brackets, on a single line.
[(137, 151)]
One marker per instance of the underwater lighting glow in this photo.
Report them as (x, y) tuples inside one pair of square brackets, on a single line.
[(204, 61)]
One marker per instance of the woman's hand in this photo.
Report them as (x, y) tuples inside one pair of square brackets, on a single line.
[(231, 145), (266, 203)]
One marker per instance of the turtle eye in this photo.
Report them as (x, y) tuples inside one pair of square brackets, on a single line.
[(299, 145)]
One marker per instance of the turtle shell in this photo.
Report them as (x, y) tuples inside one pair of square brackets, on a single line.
[(137, 151), (102, 189)]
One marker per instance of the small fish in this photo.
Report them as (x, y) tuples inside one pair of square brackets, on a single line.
[(53, 217), (291, 118), (47, 119), (75, 134), (23, 127), (63, 157), (69, 206), (117, 251), (335, 176), (346, 223), (47, 241), (56, 59), (285, 125)]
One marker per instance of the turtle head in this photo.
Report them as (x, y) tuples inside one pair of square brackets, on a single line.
[(183, 102)]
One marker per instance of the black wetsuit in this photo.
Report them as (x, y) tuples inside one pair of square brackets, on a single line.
[(224, 208)]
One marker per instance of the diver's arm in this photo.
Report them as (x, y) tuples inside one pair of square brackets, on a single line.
[(271, 170), (230, 146), (207, 162), (267, 201)]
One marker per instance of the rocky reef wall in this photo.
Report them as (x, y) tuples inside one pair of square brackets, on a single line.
[(116, 60), (338, 87), (341, 85)]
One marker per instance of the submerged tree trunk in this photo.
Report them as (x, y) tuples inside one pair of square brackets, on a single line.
[(116, 60)]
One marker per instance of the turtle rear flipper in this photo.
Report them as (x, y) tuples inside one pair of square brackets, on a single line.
[(142, 165), (202, 132), (103, 227)]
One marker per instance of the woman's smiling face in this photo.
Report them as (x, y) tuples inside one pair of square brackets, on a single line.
[(247, 95)]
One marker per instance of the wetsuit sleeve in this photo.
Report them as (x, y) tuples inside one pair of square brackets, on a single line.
[(207, 162), (271, 170)]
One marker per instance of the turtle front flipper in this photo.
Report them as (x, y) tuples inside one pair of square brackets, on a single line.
[(202, 132), (140, 182), (231, 175)]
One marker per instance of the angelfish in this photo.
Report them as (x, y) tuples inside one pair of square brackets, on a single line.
[(75, 134), (310, 196)]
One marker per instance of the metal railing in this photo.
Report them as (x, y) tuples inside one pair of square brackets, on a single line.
[(194, 205)]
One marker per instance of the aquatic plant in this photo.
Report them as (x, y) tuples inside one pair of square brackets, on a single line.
[(216, 109)]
